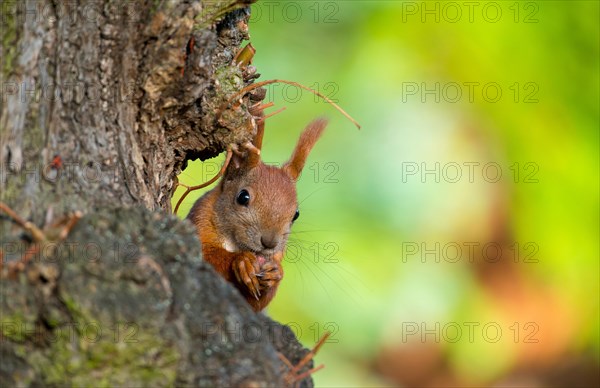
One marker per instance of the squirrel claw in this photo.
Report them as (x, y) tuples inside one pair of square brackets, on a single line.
[(270, 275), (245, 274)]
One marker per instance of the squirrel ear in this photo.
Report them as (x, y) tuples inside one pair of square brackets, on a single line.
[(256, 145), (249, 155), (260, 131), (307, 140)]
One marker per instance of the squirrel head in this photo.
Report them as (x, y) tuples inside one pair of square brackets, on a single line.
[(257, 203)]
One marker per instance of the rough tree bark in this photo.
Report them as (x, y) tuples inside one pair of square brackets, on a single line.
[(103, 103)]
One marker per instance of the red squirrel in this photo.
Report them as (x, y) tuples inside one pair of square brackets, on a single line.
[(244, 222)]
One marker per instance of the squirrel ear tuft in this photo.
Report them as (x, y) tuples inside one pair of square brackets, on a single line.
[(307, 140), (256, 145), (247, 156)]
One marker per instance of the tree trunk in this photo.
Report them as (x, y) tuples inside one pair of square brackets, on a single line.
[(103, 103)]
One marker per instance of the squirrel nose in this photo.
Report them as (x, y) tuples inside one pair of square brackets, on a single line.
[(269, 241)]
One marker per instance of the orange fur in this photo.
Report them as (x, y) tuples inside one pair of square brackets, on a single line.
[(309, 137)]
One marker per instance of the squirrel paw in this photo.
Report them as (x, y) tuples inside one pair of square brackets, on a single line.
[(269, 275), (245, 270)]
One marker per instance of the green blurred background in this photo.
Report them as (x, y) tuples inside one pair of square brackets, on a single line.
[(381, 255)]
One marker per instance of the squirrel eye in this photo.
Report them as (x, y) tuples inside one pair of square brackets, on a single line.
[(243, 198), (296, 215)]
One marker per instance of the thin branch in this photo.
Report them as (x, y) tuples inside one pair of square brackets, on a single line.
[(253, 86), (272, 114), (214, 179)]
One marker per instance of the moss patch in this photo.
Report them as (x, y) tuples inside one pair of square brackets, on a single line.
[(89, 352), (8, 38)]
